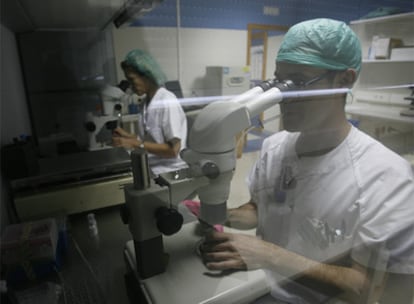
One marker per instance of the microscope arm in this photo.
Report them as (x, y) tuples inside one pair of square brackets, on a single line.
[(212, 141)]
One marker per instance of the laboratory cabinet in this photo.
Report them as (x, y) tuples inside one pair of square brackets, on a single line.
[(394, 26), (385, 72), (378, 103)]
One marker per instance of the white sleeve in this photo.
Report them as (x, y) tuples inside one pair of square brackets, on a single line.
[(174, 122), (386, 233)]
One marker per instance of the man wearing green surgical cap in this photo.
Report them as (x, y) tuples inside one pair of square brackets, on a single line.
[(162, 125), (332, 207)]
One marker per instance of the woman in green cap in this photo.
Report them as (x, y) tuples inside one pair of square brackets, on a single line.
[(332, 206), (162, 124)]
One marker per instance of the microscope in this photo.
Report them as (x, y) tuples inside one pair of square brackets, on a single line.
[(151, 207), (100, 128)]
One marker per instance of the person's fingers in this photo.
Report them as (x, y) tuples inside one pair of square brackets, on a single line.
[(116, 141), (220, 256), (227, 264), (121, 132), (219, 246), (215, 236)]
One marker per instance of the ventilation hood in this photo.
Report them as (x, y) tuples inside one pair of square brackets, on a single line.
[(32, 15), (132, 10)]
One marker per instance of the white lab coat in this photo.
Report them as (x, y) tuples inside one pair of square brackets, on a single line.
[(160, 121), (357, 200)]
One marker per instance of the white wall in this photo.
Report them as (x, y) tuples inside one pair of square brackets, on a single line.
[(198, 49), (161, 43)]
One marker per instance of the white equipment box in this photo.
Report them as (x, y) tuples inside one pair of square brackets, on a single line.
[(225, 80)]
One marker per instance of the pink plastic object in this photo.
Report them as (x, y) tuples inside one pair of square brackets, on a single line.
[(194, 208)]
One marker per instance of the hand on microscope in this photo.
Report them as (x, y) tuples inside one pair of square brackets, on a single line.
[(121, 138), (222, 251)]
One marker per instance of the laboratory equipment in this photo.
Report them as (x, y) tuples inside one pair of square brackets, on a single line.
[(149, 208), (99, 128), (226, 80), (211, 160), (113, 101)]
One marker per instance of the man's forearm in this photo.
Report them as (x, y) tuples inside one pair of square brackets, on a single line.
[(353, 281), (243, 217)]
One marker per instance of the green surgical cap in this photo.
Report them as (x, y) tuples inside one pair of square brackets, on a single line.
[(146, 65), (322, 43)]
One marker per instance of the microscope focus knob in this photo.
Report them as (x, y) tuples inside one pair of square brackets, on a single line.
[(210, 170), (90, 126), (169, 220)]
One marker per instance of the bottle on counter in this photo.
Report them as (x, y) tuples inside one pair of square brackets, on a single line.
[(93, 229)]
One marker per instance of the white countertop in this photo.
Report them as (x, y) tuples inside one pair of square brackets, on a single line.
[(187, 280)]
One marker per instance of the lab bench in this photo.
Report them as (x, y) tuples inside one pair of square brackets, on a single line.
[(71, 198), (72, 184)]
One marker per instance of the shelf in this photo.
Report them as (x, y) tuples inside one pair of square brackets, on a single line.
[(391, 114), (384, 19), (396, 71), (387, 61)]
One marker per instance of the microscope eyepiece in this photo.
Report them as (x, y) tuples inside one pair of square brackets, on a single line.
[(267, 84), (286, 85)]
